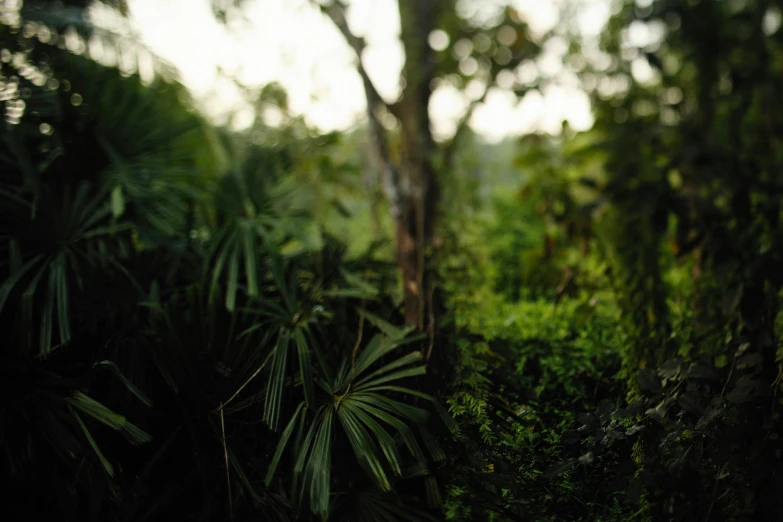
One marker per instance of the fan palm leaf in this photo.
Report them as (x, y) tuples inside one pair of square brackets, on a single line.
[(372, 423)]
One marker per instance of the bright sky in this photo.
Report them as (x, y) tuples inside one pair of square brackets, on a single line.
[(290, 42)]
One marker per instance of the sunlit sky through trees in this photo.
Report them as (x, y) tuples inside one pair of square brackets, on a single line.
[(290, 42)]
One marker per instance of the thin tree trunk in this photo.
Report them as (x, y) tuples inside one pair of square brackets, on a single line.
[(416, 223), (410, 185)]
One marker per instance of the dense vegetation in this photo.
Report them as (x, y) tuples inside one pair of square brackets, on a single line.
[(201, 325)]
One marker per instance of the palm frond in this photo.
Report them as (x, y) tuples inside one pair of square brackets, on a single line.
[(369, 420)]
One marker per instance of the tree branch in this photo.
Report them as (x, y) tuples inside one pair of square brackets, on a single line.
[(392, 186), (336, 12), (462, 125)]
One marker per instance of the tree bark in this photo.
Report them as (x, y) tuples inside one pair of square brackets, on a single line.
[(410, 185), (416, 222)]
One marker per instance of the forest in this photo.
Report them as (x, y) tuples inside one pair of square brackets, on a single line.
[(279, 323)]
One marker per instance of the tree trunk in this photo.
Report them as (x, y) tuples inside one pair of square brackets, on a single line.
[(415, 222), (410, 184)]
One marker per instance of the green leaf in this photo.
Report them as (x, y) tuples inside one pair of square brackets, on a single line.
[(276, 269), (305, 367), (432, 445), (249, 486), (375, 410), (233, 280), (399, 389), (402, 374), (323, 364), (117, 202), (363, 446), (274, 390), (16, 199), (14, 278), (358, 282), (223, 248), (405, 360), (446, 417), (649, 381), (268, 308), (105, 231), (14, 256), (104, 462), (348, 293), (125, 381), (47, 316), (113, 420), (281, 444), (303, 450), (559, 468), (385, 441), (690, 402), (394, 333), (61, 286), (433, 492), (251, 260), (399, 408), (319, 465), (375, 349)]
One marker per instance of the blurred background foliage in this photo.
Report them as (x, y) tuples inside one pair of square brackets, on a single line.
[(206, 324)]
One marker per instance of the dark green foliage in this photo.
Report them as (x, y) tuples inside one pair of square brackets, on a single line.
[(182, 340), (686, 237), (528, 370), (185, 340), (705, 175)]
